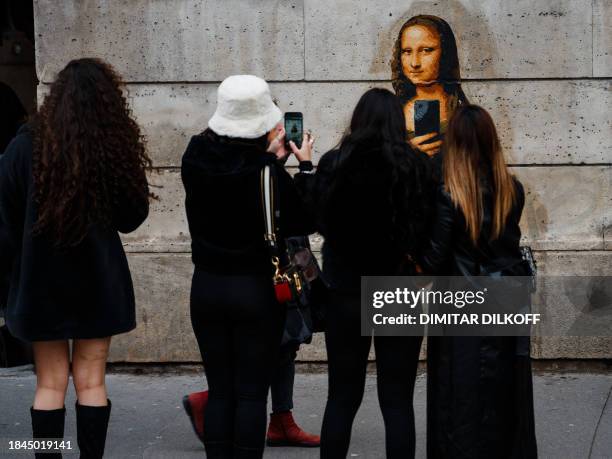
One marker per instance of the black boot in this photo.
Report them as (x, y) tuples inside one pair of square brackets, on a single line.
[(48, 424), (92, 423)]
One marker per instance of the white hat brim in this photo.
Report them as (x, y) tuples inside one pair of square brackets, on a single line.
[(251, 128)]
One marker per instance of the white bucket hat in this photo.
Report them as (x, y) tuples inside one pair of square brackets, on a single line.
[(244, 108)]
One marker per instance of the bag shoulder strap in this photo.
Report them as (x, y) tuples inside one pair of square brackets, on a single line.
[(269, 205)]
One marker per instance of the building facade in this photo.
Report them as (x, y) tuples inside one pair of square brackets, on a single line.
[(541, 67)]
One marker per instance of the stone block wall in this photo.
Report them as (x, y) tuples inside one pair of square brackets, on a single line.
[(542, 67)]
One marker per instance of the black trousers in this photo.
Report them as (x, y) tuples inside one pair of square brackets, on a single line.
[(396, 365), (238, 325), (283, 377)]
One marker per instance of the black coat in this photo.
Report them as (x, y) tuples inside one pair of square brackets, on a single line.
[(80, 292), (224, 209), (452, 253), (12, 115), (479, 389), (368, 224)]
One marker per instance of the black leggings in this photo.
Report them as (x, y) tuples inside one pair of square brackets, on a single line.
[(396, 365), (238, 325)]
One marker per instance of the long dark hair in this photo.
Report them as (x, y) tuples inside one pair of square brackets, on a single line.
[(378, 116), (449, 73), (378, 178), (473, 148), (88, 152)]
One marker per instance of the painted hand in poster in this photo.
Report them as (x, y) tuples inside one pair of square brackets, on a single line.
[(427, 78)]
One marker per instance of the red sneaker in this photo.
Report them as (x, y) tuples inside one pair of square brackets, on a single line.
[(283, 431), (194, 405)]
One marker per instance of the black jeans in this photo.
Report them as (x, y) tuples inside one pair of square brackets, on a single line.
[(238, 325), (396, 365), (281, 387)]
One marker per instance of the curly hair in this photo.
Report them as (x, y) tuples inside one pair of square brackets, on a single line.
[(450, 73), (88, 153)]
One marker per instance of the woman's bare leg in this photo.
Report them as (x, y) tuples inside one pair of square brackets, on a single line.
[(89, 370), (52, 361)]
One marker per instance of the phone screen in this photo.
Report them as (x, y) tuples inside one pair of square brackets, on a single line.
[(426, 117), (294, 128)]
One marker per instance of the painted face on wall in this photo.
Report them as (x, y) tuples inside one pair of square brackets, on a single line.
[(421, 51)]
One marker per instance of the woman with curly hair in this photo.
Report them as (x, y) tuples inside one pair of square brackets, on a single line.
[(373, 187), (68, 183), (425, 66)]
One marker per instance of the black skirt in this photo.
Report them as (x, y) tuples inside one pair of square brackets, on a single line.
[(80, 293)]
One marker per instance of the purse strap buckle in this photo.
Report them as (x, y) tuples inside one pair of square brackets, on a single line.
[(278, 277)]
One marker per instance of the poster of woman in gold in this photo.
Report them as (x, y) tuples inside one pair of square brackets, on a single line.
[(427, 78)]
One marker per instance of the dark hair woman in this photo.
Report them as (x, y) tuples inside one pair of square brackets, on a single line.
[(235, 316), (370, 198), (68, 183), (425, 66), (479, 400)]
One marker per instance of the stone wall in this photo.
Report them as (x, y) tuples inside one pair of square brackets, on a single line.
[(542, 67)]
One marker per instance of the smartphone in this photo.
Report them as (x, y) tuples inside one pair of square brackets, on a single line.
[(294, 128), (426, 117)]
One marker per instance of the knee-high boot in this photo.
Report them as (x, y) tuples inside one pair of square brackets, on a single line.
[(48, 424), (92, 424)]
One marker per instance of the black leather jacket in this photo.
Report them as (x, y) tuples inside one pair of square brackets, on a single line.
[(451, 252)]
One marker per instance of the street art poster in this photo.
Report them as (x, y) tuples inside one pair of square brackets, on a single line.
[(427, 78)]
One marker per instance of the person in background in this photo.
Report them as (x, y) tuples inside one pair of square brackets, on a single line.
[(236, 318), (282, 430), (12, 115), (69, 182), (370, 200), (479, 389)]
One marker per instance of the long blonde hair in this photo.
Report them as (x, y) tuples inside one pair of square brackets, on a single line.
[(471, 147)]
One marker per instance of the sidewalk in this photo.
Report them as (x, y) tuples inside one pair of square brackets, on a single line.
[(572, 417)]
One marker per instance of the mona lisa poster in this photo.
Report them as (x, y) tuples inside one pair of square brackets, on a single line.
[(427, 78)]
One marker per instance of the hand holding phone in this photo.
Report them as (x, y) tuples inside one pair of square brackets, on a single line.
[(424, 144), (278, 145), (426, 126), (304, 153), (299, 143), (294, 128), (426, 117)]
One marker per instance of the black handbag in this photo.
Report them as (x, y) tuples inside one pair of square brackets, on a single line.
[(530, 265), (299, 283)]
